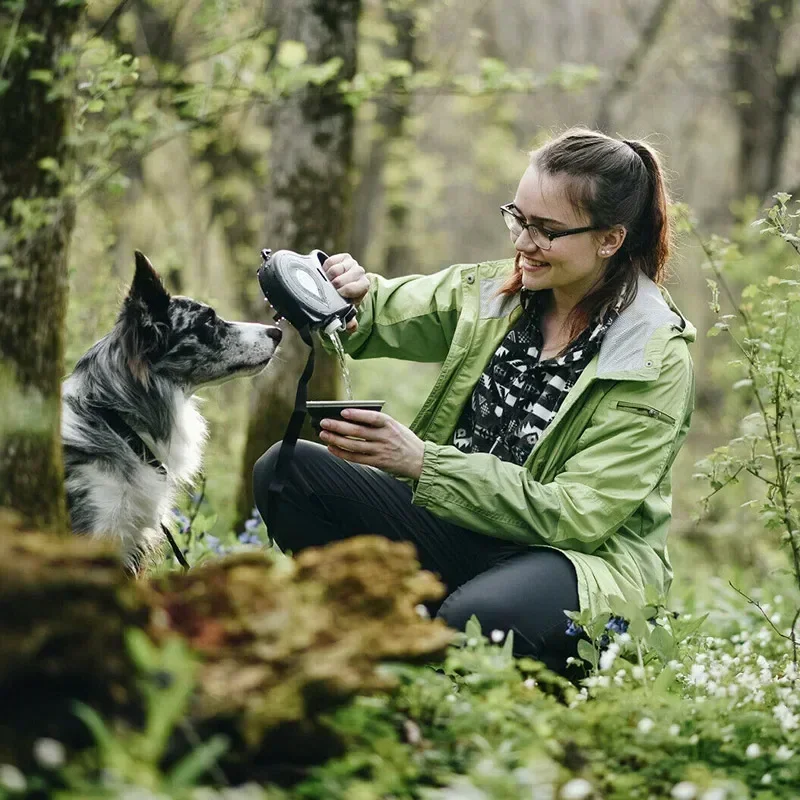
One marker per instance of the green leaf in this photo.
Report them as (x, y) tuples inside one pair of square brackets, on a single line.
[(198, 762), (587, 652), (48, 164), (95, 106), (664, 682), (473, 628), (41, 75), (291, 54)]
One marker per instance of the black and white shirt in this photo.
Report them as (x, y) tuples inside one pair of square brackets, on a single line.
[(518, 395)]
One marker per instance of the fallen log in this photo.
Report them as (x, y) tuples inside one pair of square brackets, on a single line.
[(279, 641)]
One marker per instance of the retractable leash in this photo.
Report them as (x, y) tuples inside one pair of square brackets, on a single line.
[(299, 290)]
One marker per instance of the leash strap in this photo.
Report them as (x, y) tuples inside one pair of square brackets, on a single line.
[(175, 549), (286, 453)]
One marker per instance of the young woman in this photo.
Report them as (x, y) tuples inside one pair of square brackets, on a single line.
[(536, 476)]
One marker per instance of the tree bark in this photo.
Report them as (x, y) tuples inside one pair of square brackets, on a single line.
[(763, 88), (393, 110), (307, 200), (36, 219)]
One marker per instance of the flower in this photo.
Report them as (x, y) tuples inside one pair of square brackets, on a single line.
[(576, 789), (49, 753), (783, 753), (714, 793), (422, 610), (753, 750), (645, 725), (497, 636), (685, 790), (617, 624), (12, 779), (573, 629)]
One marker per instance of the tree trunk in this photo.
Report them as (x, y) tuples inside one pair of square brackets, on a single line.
[(763, 88), (393, 110), (307, 201), (36, 220)]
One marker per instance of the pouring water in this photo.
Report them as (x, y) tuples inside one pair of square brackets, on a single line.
[(348, 387)]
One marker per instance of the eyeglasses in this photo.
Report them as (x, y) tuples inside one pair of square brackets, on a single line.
[(540, 236)]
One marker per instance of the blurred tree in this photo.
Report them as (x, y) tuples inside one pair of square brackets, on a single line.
[(393, 107), (765, 77), (36, 218), (306, 197)]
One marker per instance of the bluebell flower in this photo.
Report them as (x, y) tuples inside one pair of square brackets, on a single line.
[(251, 524), (256, 514), (214, 544), (249, 537), (573, 629), (617, 624), (181, 519)]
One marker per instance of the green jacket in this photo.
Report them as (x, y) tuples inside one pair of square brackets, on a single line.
[(597, 483)]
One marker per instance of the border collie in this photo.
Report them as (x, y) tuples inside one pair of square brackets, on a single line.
[(131, 430)]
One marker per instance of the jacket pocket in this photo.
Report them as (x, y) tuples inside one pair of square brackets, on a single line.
[(645, 411)]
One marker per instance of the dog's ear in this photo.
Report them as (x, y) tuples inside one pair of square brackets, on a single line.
[(144, 319)]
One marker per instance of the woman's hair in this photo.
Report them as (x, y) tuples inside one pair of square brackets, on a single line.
[(614, 182)]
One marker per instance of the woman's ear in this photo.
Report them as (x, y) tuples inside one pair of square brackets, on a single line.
[(611, 241)]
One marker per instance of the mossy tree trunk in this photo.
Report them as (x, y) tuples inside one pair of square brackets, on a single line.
[(36, 219), (307, 201)]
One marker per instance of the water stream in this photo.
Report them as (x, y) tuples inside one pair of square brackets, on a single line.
[(348, 387)]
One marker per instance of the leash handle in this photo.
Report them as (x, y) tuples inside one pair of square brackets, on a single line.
[(286, 453)]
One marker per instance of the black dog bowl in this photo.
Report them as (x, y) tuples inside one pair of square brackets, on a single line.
[(332, 409)]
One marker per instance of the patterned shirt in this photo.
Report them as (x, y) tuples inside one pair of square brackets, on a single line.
[(518, 395)]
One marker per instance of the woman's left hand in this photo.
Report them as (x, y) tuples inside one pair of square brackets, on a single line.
[(387, 444)]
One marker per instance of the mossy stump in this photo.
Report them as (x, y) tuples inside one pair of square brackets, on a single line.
[(280, 641)]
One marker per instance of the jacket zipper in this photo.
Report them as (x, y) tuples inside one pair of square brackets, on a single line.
[(645, 411)]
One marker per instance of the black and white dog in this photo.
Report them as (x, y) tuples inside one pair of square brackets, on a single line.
[(131, 430)]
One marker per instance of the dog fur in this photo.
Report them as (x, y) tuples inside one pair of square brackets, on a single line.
[(131, 430)]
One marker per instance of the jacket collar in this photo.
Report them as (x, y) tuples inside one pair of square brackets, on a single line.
[(633, 346)]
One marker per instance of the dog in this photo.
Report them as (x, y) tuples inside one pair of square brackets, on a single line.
[(131, 430)]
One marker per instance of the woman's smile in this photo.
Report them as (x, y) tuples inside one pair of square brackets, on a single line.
[(532, 265)]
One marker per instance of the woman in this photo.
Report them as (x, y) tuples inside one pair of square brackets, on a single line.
[(536, 476)]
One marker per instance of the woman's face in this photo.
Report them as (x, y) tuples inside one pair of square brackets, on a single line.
[(573, 263)]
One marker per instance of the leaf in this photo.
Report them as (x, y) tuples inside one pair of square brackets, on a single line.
[(41, 75), (198, 762), (96, 105), (291, 54), (473, 628), (587, 652), (664, 682)]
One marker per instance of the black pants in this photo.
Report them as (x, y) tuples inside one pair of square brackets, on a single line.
[(508, 586)]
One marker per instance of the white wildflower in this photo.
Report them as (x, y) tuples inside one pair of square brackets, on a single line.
[(766, 779), (12, 779), (608, 657), (783, 753), (529, 683), (674, 729), (49, 753), (753, 750), (576, 789), (645, 725), (714, 793), (685, 790), (497, 636), (788, 721), (637, 671), (422, 610)]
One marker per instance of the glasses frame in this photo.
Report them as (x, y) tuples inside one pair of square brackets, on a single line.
[(511, 210)]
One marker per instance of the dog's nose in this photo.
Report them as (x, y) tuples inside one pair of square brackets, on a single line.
[(275, 333)]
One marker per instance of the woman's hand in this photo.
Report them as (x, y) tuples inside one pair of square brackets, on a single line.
[(348, 278), (387, 444)]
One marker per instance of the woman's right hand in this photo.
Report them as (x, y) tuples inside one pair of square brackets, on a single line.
[(349, 279)]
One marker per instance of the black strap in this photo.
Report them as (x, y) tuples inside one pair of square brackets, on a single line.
[(117, 423), (175, 549), (286, 453)]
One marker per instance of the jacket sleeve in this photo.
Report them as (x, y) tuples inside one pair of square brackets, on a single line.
[(618, 460), (411, 318)]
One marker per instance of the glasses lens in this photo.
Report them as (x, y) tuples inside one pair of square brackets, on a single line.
[(516, 227)]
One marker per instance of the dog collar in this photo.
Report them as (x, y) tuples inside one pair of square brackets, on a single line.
[(117, 424)]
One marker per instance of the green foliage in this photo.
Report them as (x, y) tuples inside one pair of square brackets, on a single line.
[(764, 329)]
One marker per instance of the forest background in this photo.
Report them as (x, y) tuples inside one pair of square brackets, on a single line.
[(200, 132)]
